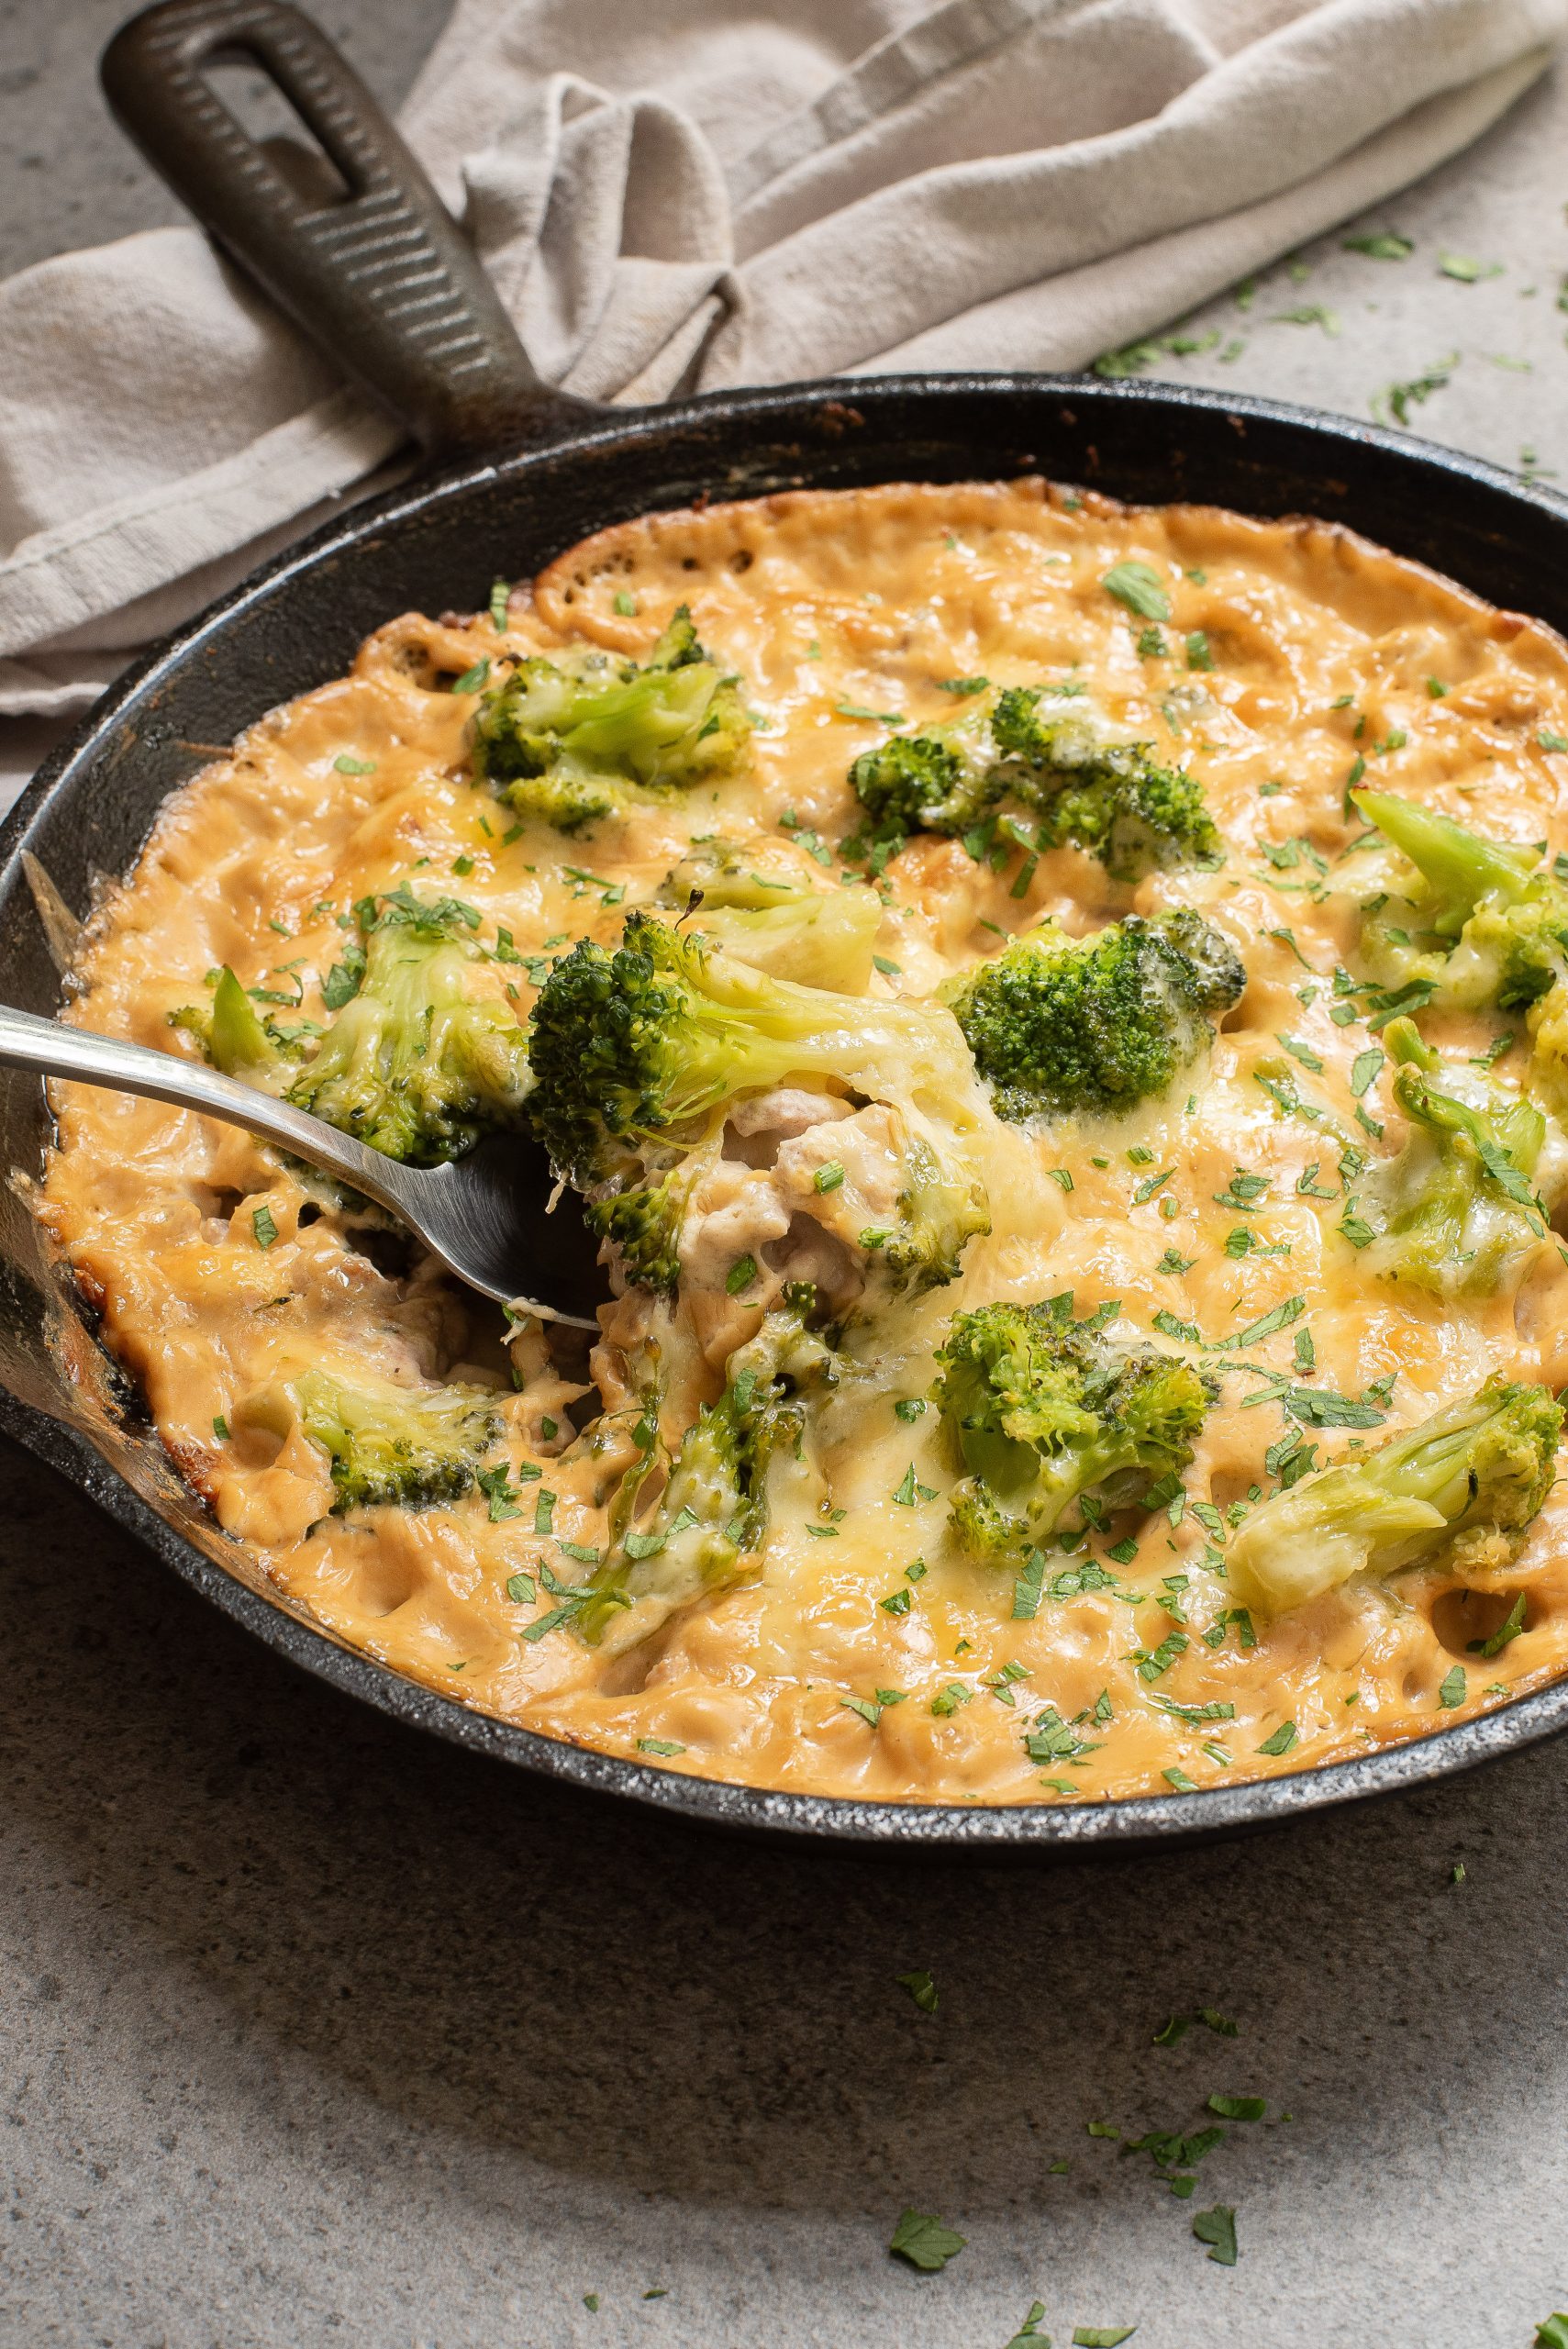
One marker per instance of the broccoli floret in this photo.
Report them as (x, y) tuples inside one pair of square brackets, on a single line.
[(634, 1049), (573, 739), (643, 1226), (1485, 923), (408, 1064), (1468, 1480), (820, 938), (1457, 1205), (1060, 1024), (947, 781), (1044, 1411), (713, 1513), (234, 1036), (1112, 798), (409, 1447), (941, 1208)]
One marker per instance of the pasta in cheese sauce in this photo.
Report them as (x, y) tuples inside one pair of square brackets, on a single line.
[(863, 1653)]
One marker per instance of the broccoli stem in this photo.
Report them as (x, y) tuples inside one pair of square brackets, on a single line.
[(1460, 868), (1470, 1479)]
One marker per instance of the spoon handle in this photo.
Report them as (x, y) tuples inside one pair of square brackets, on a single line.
[(55, 1048)]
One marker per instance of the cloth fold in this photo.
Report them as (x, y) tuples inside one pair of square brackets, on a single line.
[(718, 193)]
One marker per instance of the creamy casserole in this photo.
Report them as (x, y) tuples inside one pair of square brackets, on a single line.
[(1241, 1219)]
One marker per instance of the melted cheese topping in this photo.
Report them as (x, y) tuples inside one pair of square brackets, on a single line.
[(833, 606)]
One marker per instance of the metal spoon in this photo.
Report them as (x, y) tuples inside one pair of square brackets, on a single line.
[(480, 1214)]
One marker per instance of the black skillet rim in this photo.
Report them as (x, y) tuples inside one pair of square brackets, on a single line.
[(996, 1830)]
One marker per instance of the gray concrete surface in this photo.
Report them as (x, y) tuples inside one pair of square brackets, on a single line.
[(313, 2031)]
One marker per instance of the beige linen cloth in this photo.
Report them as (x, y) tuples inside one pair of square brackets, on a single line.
[(680, 195)]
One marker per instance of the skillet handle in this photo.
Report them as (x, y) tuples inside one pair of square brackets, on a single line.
[(383, 279)]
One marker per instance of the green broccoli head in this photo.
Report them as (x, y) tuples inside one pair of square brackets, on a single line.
[(712, 1516), (1061, 1025), (1021, 745), (406, 1447), (1465, 1482), (642, 1225), (1483, 923), (819, 938), (573, 739), (941, 1208), (638, 1047), (1044, 1411), (947, 781), (409, 1065), (1457, 1207), (1114, 799)]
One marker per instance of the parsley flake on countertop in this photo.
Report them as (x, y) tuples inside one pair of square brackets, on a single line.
[(1030, 2332), (1217, 2229), (924, 2241), (921, 1988)]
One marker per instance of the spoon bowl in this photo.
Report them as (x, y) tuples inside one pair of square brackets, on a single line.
[(483, 1215)]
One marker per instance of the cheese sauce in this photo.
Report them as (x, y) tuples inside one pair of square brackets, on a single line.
[(1296, 659)]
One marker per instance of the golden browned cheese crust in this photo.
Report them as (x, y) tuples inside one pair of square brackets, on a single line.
[(831, 605)]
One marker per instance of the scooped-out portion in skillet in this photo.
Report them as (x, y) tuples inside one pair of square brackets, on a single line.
[(1060, 1015)]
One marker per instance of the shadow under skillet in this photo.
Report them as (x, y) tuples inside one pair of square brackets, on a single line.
[(613, 1996)]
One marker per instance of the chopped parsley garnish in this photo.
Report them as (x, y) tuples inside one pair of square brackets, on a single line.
[(1171, 1262), (263, 1225), (500, 594), (1243, 1191), (474, 681), (1138, 587), (1238, 2107), (1452, 1690), (741, 1274), (662, 1746), (1284, 1738), (221, 1429), (1199, 655), (946, 1702), (1386, 245), (908, 1408), (495, 1484), (1509, 1628), (897, 1602), (1101, 2337), (963, 684), (911, 1490), (921, 1988), (1467, 272), (1217, 2229), (1152, 1662), (344, 764), (869, 1710), (522, 1590), (924, 2241)]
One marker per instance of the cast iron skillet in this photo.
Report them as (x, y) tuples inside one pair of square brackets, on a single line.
[(386, 280)]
